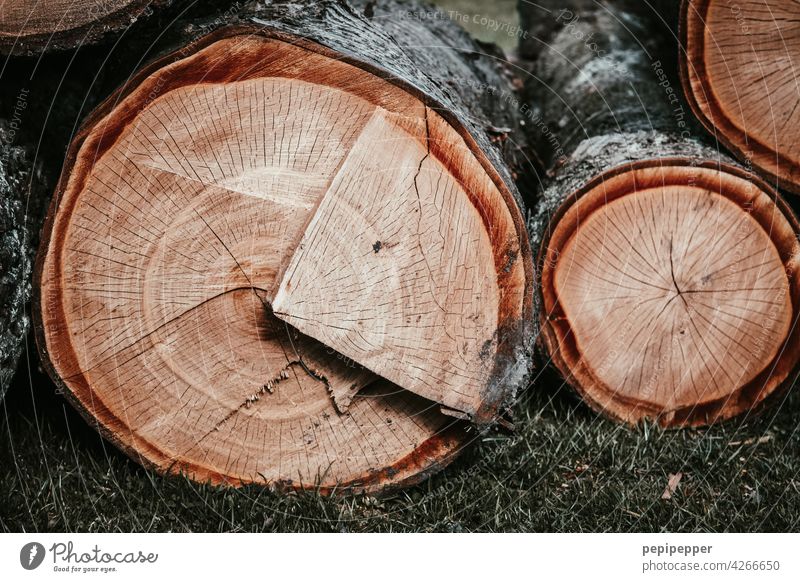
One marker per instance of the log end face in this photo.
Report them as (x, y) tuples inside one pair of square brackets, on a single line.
[(670, 293), (30, 28), (738, 74), (270, 265)]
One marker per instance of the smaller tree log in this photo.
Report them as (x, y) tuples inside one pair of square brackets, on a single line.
[(30, 27), (669, 284), (739, 70)]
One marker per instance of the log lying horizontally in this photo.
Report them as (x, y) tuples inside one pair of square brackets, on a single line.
[(739, 69), (271, 261), (669, 283), (30, 27)]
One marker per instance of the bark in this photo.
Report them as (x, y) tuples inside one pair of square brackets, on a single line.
[(414, 41), (19, 214), (609, 114), (406, 55), (542, 20)]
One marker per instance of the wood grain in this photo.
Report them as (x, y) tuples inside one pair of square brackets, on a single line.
[(671, 293), (30, 27), (739, 70), (257, 180)]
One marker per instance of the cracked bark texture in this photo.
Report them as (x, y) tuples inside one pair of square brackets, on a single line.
[(604, 95), (415, 41), (19, 226)]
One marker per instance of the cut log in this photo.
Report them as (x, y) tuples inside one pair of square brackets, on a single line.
[(669, 283), (273, 262), (738, 67), (19, 220), (30, 27)]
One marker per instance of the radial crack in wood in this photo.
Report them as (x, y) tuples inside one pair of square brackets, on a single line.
[(671, 292), (257, 177), (739, 69), (397, 269)]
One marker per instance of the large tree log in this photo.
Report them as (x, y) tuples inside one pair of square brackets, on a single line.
[(738, 66), (30, 27), (282, 251), (669, 284)]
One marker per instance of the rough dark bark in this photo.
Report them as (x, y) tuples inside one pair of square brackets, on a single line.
[(20, 206), (416, 49), (541, 20), (603, 97), (33, 28), (607, 104), (414, 41)]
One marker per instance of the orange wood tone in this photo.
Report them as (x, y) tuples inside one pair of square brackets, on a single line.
[(740, 73), (670, 292), (269, 265)]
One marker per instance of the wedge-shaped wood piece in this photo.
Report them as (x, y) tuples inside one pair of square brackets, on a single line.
[(400, 270), (257, 178), (739, 69)]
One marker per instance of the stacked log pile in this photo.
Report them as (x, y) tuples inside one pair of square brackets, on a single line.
[(312, 244)]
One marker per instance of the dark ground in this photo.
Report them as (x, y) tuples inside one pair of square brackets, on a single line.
[(565, 469)]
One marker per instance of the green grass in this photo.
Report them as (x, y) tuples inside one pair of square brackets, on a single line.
[(565, 469)]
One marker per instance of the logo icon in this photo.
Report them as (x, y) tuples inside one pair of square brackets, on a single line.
[(31, 555)]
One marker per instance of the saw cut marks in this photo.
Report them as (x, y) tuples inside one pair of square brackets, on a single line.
[(670, 297), (741, 76), (256, 181)]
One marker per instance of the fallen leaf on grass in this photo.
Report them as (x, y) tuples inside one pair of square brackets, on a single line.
[(759, 441), (672, 485)]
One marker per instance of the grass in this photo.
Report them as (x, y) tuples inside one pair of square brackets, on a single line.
[(564, 469)]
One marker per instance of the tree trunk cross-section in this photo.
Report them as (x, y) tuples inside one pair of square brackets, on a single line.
[(33, 26), (670, 298), (269, 263), (669, 283), (739, 69)]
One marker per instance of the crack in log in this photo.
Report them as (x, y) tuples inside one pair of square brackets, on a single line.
[(419, 221)]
